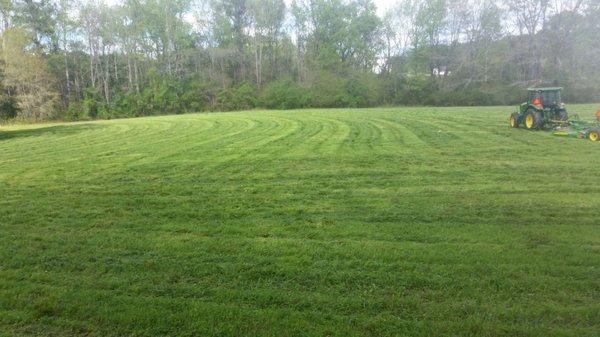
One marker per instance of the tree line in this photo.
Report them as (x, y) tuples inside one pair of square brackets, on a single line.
[(92, 59)]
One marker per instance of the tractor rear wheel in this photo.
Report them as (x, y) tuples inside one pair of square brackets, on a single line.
[(514, 120), (533, 120), (594, 134)]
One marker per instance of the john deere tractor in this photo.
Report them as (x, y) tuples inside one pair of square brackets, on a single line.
[(543, 109)]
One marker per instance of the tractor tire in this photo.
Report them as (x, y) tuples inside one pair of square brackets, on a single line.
[(514, 120), (532, 120), (594, 134), (563, 115)]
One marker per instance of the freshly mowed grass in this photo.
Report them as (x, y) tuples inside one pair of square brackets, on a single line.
[(373, 222)]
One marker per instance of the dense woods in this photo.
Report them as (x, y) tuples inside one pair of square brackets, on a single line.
[(93, 59)]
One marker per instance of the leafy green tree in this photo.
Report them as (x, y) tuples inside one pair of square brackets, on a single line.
[(231, 21), (26, 74), (107, 59), (39, 18), (266, 20)]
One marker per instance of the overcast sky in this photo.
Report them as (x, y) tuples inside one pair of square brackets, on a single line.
[(383, 5)]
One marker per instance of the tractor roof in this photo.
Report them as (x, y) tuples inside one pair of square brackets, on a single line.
[(545, 89)]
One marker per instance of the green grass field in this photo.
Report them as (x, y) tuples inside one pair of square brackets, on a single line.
[(374, 222)]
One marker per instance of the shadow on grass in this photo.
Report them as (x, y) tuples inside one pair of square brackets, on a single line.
[(61, 130)]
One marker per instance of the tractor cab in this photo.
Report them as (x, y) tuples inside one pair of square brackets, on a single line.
[(544, 97)]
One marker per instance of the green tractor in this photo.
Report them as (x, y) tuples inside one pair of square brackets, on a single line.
[(543, 109)]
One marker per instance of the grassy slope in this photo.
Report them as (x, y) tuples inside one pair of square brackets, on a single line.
[(415, 221)]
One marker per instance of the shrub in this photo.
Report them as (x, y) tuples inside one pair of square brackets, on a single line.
[(286, 94), (329, 90), (125, 105), (413, 90), (241, 97), (8, 107), (362, 90), (196, 96), (83, 110), (74, 111)]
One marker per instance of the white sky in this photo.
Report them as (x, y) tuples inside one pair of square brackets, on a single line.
[(383, 6)]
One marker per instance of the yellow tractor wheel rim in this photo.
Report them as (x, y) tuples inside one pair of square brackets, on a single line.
[(593, 136), (512, 121), (529, 121)]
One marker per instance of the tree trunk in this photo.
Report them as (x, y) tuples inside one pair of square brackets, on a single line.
[(106, 77), (129, 73), (135, 69)]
